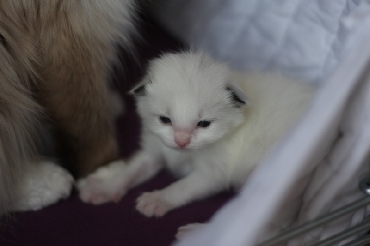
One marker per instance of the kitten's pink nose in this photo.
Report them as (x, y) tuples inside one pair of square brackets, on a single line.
[(182, 138)]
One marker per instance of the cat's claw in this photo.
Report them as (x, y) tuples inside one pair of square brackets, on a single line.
[(152, 204), (104, 185), (183, 230)]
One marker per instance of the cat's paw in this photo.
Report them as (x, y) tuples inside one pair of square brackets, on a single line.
[(152, 204), (44, 184), (183, 230), (104, 185)]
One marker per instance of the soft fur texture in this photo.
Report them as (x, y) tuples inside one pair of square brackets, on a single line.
[(247, 113), (55, 57)]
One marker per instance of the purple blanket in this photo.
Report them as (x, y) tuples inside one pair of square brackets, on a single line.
[(72, 222)]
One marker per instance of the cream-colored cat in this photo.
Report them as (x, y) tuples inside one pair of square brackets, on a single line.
[(55, 58)]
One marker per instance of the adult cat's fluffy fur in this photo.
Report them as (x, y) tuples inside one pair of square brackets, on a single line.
[(55, 57), (206, 124)]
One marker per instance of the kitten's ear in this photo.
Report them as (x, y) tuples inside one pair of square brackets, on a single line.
[(140, 89), (237, 95)]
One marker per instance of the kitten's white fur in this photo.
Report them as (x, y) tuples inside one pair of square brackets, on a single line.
[(189, 88), (183, 230)]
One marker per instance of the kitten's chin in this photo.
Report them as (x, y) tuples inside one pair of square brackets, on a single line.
[(176, 147), (186, 148)]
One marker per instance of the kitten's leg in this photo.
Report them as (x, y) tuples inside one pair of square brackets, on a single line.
[(193, 187), (111, 182), (44, 183), (183, 230)]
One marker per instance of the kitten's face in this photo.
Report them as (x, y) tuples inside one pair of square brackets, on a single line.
[(188, 101)]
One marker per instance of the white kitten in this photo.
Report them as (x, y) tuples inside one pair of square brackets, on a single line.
[(198, 122)]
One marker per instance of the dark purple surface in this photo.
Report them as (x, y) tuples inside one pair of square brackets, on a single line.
[(72, 222)]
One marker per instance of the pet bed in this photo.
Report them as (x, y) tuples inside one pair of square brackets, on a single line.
[(318, 166)]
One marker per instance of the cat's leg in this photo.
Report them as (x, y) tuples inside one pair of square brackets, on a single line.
[(78, 105), (44, 183), (19, 113), (77, 43), (195, 186), (111, 182), (74, 90)]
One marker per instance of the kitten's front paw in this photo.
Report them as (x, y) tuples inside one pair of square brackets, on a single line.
[(183, 230), (104, 185), (152, 204)]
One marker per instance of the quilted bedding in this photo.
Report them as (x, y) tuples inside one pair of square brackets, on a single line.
[(298, 37), (319, 169)]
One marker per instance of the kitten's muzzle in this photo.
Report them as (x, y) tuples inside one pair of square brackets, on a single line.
[(182, 138)]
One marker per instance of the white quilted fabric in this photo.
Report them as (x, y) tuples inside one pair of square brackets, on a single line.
[(298, 37)]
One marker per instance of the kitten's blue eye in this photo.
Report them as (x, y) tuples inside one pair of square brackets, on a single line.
[(204, 123), (165, 120)]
